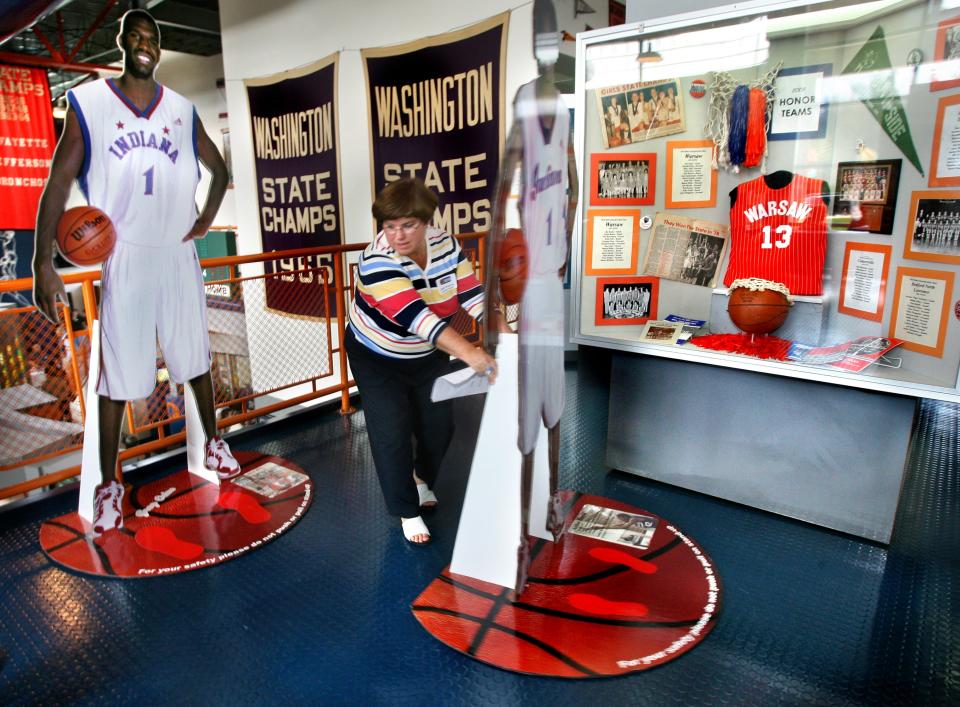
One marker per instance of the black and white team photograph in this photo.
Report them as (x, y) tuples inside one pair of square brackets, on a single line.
[(936, 227), (630, 301), (628, 179), (701, 259)]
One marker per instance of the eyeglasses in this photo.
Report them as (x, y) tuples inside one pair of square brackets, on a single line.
[(408, 227)]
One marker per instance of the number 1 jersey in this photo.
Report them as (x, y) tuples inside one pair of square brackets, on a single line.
[(779, 234), (140, 167), (545, 182)]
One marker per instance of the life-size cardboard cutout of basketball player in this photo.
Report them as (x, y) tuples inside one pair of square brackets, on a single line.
[(539, 145), (135, 147)]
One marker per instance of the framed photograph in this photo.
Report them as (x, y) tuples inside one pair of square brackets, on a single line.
[(866, 194), (623, 179), (933, 230), (691, 178), (921, 308), (946, 50), (626, 300), (800, 105), (636, 112), (661, 332), (613, 241), (945, 160), (863, 286)]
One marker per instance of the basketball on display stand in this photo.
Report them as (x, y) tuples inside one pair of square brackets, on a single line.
[(758, 306)]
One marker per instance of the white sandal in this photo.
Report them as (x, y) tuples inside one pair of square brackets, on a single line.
[(427, 497), (412, 527)]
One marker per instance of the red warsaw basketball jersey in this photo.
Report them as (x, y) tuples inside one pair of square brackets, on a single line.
[(779, 234)]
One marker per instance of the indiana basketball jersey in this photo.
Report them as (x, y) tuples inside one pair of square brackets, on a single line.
[(140, 167), (544, 200), (779, 234)]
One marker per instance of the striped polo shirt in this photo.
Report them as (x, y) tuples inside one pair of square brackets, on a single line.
[(399, 308)]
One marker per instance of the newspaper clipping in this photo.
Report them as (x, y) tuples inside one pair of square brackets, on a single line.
[(635, 112), (614, 526), (686, 249), (270, 479)]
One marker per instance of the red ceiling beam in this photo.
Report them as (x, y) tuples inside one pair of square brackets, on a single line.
[(47, 43), (107, 6), (48, 63), (63, 44)]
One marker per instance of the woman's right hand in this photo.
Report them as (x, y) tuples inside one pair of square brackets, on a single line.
[(477, 358), (483, 363)]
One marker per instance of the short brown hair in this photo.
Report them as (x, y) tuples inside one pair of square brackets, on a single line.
[(403, 198)]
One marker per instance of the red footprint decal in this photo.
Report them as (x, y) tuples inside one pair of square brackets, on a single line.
[(163, 540), (592, 604), (244, 504), (619, 557)]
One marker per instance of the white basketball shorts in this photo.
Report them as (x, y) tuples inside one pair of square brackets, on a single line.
[(151, 294), (541, 358)]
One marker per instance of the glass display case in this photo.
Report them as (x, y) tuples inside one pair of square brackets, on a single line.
[(775, 187)]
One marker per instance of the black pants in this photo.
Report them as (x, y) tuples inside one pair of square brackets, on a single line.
[(399, 412)]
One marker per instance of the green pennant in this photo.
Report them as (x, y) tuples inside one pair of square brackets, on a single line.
[(880, 95)]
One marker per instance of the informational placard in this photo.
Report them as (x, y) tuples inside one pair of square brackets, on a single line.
[(946, 52), (691, 178), (27, 140), (864, 283), (296, 158), (612, 241), (799, 107), (945, 160), (921, 309), (437, 112)]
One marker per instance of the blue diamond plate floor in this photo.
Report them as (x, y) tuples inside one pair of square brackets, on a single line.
[(321, 615)]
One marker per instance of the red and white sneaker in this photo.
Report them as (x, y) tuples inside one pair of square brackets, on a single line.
[(220, 460), (107, 507)]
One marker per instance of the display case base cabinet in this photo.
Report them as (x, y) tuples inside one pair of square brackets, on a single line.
[(821, 453)]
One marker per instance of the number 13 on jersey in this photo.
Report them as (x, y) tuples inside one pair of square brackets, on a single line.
[(783, 233)]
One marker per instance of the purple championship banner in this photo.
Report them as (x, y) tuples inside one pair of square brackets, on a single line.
[(436, 112), (297, 163)]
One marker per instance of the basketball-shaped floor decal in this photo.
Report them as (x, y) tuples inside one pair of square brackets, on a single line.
[(182, 522), (623, 590)]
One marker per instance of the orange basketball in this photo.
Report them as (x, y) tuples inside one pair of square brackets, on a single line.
[(513, 266), (85, 235), (757, 311)]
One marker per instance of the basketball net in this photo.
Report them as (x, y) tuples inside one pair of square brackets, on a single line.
[(720, 120), (757, 284)]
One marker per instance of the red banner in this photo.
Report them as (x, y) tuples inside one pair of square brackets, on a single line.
[(26, 144)]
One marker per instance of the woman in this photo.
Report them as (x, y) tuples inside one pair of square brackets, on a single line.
[(411, 281)]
